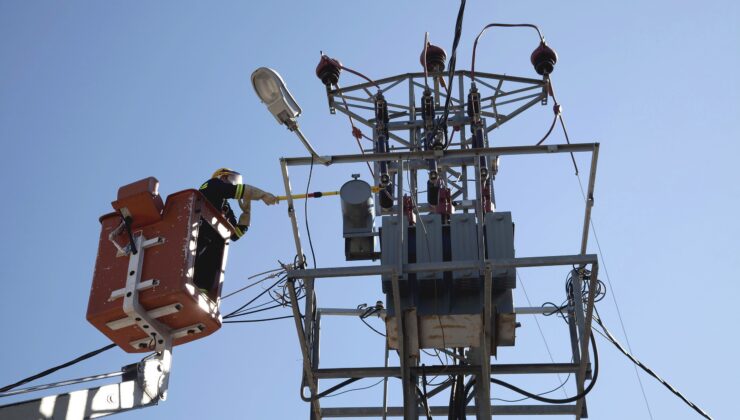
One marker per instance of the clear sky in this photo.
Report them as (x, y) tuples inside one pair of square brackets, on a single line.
[(94, 95)]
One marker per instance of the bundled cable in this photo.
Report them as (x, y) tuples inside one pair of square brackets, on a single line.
[(441, 122), (273, 297), (56, 368), (599, 294), (368, 312)]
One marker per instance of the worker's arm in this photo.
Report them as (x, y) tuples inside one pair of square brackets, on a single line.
[(223, 189), (253, 193), (239, 228)]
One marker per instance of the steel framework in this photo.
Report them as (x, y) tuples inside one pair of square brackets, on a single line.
[(403, 160)]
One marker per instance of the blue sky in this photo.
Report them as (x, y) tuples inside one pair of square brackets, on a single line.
[(94, 95)]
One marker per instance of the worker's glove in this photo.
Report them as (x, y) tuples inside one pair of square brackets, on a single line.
[(254, 193), (269, 199), (239, 231)]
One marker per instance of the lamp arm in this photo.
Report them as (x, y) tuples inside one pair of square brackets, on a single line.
[(294, 128)]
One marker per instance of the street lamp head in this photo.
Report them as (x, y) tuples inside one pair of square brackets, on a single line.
[(272, 91)]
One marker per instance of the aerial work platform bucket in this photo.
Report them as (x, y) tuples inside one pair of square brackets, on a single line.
[(159, 268)]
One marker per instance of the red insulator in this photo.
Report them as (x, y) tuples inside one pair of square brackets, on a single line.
[(436, 58), (487, 203), (544, 59), (444, 205), (408, 210), (328, 70)]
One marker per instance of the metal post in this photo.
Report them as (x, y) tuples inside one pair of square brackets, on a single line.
[(308, 372), (483, 383), (291, 212), (581, 375), (589, 197)]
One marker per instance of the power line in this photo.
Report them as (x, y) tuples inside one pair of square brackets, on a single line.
[(59, 367), (305, 213), (614, 298), (540, 394), (241, 321), (354, 389), (553, 400), (276, 272), (601, 254), (241, 308), (649, 371), (542, 334)]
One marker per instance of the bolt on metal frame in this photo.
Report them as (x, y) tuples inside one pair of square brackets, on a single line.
[(406, 156)]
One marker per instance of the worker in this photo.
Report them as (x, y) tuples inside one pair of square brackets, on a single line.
[(224, 184)]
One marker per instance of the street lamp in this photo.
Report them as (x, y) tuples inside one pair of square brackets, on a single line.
[(272, 91)]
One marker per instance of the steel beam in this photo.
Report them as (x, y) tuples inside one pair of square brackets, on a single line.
[(589, 197), (458, 153), (581, 375), (395, 372), (375, 270), (497, 410), (305, 352), (420, 75)]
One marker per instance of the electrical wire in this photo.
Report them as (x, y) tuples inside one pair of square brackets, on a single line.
[(554, 121), (356, 132), (424, 62), (264, 292), (539, 328), (305, 213), (423, 394), (354, 389), (441, 123), (647, 370), (558, 400), (58, 367), (559, 116), (415, 205), (499, 25), (562, 384), (370, 311), (240, 321), (275, 273), (355, 72)]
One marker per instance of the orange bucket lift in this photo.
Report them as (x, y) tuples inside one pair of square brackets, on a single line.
[(159, 269)]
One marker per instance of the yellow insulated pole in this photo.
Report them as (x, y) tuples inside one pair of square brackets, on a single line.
[(317, 194)]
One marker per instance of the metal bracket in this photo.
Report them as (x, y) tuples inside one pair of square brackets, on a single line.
[(154, 313)]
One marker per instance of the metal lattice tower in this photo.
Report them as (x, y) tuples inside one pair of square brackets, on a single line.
[(403, 151)]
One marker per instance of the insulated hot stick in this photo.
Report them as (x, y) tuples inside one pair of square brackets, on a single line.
[(317, 194)]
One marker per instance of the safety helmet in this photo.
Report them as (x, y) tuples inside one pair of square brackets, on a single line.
[(232, 177)]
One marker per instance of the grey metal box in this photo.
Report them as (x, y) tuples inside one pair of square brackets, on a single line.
[(389, 240), (500, 244), (429, 246), (464, 243)]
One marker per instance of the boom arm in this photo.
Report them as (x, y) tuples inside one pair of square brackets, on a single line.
[(142, 384)]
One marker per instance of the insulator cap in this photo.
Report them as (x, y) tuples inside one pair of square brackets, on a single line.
[(436, 58), (328, 70), (544, 59)]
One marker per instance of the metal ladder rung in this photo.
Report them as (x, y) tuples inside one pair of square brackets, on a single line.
[(182, 332), (154, 313), (146, 284)]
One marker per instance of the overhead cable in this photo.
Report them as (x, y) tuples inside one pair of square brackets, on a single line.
[(59, 367), (649, 371)]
